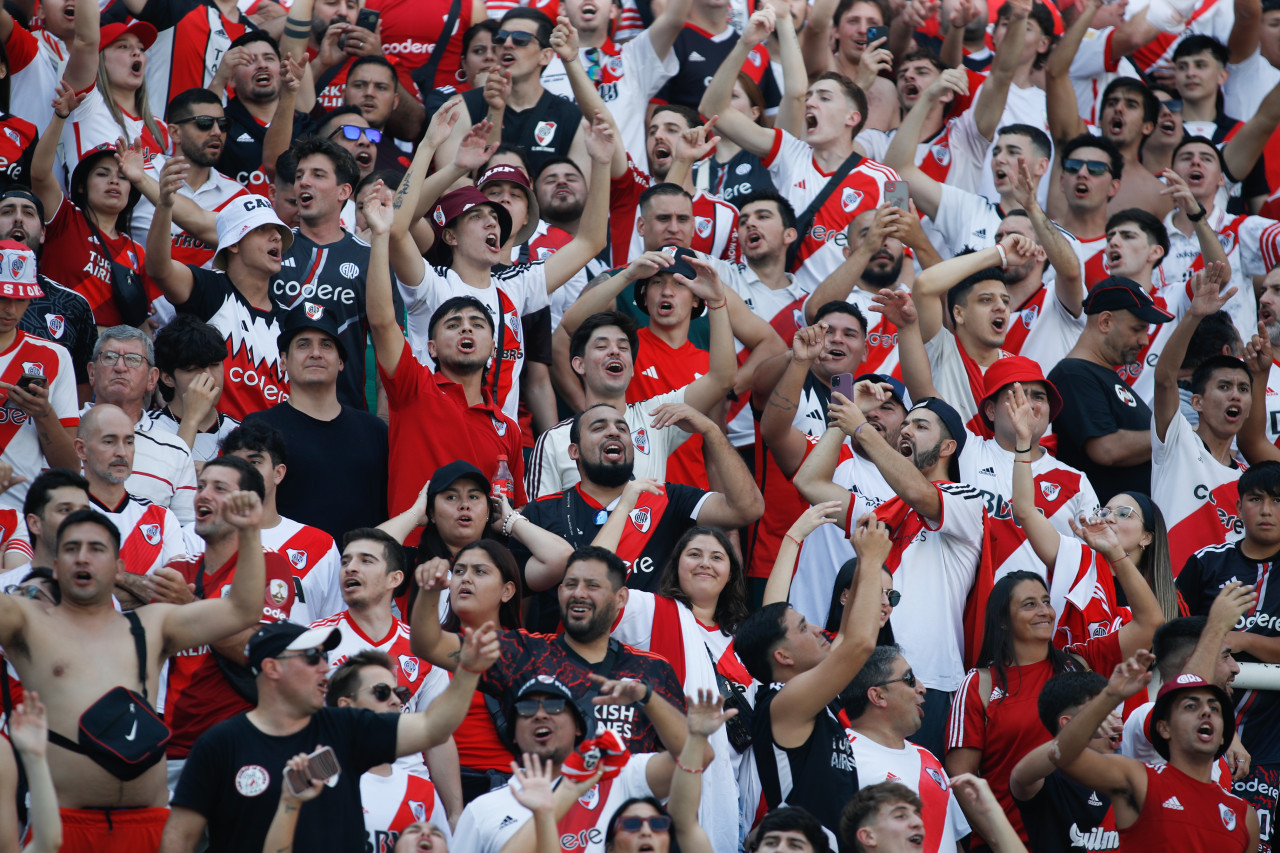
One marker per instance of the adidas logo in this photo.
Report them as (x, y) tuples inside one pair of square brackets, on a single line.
[(697, 57), (990, 472), (1172, 803), (800, 185), (508, 820), (1093, 799), (244, 137), (287, 262), (981, 233), (651, 372), (816, 415)]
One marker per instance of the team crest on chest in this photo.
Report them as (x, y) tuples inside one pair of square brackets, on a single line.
[(544, 132), (850, 199), (702, 225), (56, 324), (151, 533), (1228, 816), (409, 666), (297, 557), (1050, 491), (937, 777), (640, 439), (641, 519), (33, 367)]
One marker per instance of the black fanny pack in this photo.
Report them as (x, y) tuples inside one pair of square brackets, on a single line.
[(121, 732), (128, 293)]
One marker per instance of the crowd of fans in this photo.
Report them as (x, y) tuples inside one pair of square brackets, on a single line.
[(598, 425)]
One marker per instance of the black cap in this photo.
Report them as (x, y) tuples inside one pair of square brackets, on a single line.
[(309, 315), (274, 638), (446, 475), (1117, 293), (950, 419), (681, 266), (19, 191), (899, 390), (547, 685)]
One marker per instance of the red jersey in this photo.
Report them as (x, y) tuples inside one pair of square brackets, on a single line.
[(479, 746), (432, 425), (1181, 813), (715, 222), (197, 695), (73, 256), (335, 81), (411, 29), (660, 368)]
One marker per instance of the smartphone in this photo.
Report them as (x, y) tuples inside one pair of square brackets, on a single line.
[(876, 33), (843, 384), (368, 18), (323, 765), (28, 379), (895, 194)]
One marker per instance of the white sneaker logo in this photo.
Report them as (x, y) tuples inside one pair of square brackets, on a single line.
[(133, 732), (1172, 803)]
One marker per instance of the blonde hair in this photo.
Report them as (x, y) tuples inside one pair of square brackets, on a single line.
[(141, 105)]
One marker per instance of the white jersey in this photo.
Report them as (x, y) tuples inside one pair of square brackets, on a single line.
[(951, 376), (1196, 493), (920, 770), (18, 435), (425, 681), (965, 219), (934, 569), (1273, 404), (637, 74), (314, 560), (150, 535), (550, 469), (1053, 333), (207, 443), (513, 293), (393, 802), (489, 821), (1021, 106), (1062, 493), (91, 124), (958, 143), (1249, 83), (1093, 69)]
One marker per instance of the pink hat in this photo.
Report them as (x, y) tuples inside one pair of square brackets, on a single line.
[(18, 271)]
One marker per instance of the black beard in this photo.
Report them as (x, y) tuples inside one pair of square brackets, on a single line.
[(562, 213), (604, 474), (200, 159), (887, 278), (597, 627)]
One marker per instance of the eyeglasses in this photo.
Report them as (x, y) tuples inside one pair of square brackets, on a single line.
[(313, 657), (1105, 512), (31, 592), (1097, 168), (131, 359), (206, 123), (657, 823), (908, 678), (352, 133), (517, 38), (382, 692), (892, 596), (1173, 105), (550, 704)]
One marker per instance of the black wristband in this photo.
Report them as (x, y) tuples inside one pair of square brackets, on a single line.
[(648, 694), (1023, 449), (1198, 216)]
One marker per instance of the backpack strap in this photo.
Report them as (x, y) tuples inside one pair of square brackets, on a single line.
[(425, 74), (805, 220), (140, 645)]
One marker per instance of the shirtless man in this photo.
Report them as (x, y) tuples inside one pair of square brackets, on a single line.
[(80, 649)]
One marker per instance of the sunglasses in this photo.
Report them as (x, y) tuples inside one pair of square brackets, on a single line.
[(352, 133), (382, 692), (518, 39), (206, 123), (657, 823), (1105, 512), (1173, 105), (551, 704), (313, 657), (31, 592), (893, 596), (908, 678), (1097, 168)]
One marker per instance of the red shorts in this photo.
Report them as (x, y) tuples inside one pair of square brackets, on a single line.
[(112, 830)]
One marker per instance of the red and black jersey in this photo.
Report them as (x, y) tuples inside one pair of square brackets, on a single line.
[(524, 656), (64, 317), (653, 527), (17, 144)]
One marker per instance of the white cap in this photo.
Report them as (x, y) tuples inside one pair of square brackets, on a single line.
[(18, 271), (241, 216)]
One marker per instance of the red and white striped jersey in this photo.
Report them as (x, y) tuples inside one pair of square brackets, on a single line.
[(1083, 594), (918, 769), (187, 54), (14, 538), (715, 222), (21, 447), (150, 535), (1196, 493), (393, 802), (425, 681), (313, 559)]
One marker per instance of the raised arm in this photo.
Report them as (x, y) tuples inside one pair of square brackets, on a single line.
[(204, 622), (931, 286), (191, 217), (814, 478), (1210, 246), (989, 107), (1068, 284), (787, 444), (1233, 601), (427, 639), (739, 502), (82, 63), (842, 281), (899, 308), (601, 295), (1060, 96), (794, 78), (173, 278), (279, 133), (44, 183), (594, 231), (548, 553), (1206, 298), (778, 587), (388, 339), (29, 732), (1147, 615), (1252, 439), (706, 716), (564, 40), (434, 725), (1247, 144), (815, 38), (708, 390), (1041, 533), (985, 814), (901, 156), (668, 720), (733, 124)]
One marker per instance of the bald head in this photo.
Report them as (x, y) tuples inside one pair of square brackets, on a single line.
[(104, 443)]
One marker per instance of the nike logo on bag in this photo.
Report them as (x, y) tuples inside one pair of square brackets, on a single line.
[(133, 732)]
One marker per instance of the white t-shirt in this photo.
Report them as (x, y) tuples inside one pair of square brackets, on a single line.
[(91, 124), (1053, 333), (489, 821), (1196, 492)]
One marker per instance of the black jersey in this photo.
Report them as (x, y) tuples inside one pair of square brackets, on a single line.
[(1065, 816), (820, 775), (242, 152), (544, 131), (64, 317), (738, 177), (333, 277), (1206, 571)]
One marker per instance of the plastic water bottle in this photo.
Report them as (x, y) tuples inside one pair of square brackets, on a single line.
[(504, 485)]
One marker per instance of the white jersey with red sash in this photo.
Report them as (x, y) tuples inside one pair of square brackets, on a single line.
[(1273, 404), (19, 444), (150, 533), (393, 802), (424, 681), (1022, 319), (1196, 493), (921, 771), (958, 378), (1210, 17)]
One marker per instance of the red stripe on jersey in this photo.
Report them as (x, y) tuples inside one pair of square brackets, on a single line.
[(1021, 321), (668, 633)]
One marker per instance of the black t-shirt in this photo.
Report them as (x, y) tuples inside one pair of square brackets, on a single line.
[(64, 317), (1065, 816), (234, 772), (738, 177), (242, 152), (1206, 571), (544, 131), (345, 457), (1099, 403), (821, 775), (524, 655), (333, 277)]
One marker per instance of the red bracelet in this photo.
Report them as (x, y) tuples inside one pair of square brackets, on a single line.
[(792, 538), (688, 769), (470, 670)]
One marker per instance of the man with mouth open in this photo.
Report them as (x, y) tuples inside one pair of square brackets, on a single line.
[(235, 296), (885, 705), (1175, 806)]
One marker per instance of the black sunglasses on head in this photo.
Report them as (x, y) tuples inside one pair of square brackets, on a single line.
[(382, 692), (1097, 168), (205, 123), (517, 38), (550, 704)]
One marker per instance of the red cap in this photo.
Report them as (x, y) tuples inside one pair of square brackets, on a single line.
[(112, 32), (1015, 368)]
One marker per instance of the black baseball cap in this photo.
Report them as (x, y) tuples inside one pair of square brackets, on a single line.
[(1117, 293), (949, 416), (680, 266), (446, 475), (275, 638), (548, 685), (19, 191), (309, 315)]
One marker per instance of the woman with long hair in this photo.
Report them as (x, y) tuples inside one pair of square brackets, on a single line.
[(479, 57), (731, 172)]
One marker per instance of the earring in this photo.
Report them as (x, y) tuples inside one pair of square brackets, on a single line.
[(460, 76)]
